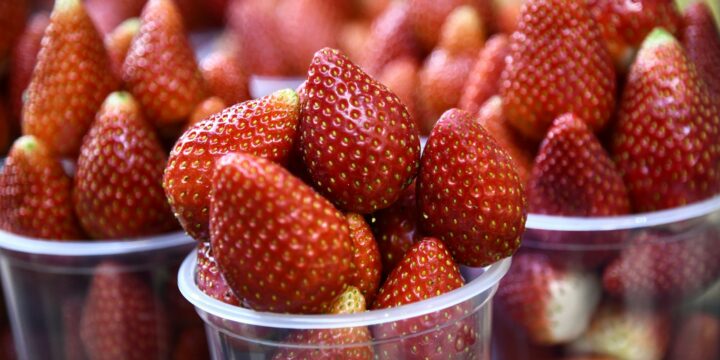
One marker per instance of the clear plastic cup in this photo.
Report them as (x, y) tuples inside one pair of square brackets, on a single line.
[(46, 286), (455, 325), (643, 270)]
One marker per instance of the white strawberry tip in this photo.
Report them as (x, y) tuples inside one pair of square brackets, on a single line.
[(572, 302)]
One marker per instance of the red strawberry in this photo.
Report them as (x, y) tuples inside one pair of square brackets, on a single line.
[(205, 109), (264, 127), (12, 18), (122, 319), (665, 269), (552, 303), (426, 271), (160, 69), (22, 62), (35, 194), (395, 228), (351, 301), (469, 193), (401, 77), (117, 192), (636, 334), (118, 43), (225, 77), (574, 176), (296, 249), (72, 52), (366, 257), (701, 40), (209, 279), (107, 14), (358, 142), (391, 37), (697, 338), (557, 64), (427, 16), (665, 142), (484, 79), (254, 24)]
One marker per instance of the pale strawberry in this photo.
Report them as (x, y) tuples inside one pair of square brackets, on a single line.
[(366, 257), (118, 43), (484, 79)]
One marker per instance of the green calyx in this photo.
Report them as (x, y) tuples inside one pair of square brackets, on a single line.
[(120, 99), (65, 5), (27, 143), (287, 96)]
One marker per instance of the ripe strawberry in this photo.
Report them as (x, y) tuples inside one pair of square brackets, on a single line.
[(552, 303), (118, 43), (205, 109), (484, 79), (353, 39), (107, 15), (72, 52), (701, 40), (443, 75), (668, 154), (401, 77), (22, 62), (697, 338), (636, 334), (35, 194), (649, 269), (366, 257), (427, 16), (264, 127), (122, 319), (225, 77), (12, 18), (297, 251), (117, 192), (209, 279), (160, 68), (574, 176), (358, 142), (556, 39), (351, 301), (391, 37), (254, 24), (520, 150), (469, 193)]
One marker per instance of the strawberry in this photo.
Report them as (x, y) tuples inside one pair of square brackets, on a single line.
[(12, 18), (469, 193), (520, 150), (117, 192), (71, 311), (574, 176), (351, 301), (366, 257), (72, 52), (353, 39), (35, 194), (443, 75), (696, 338), (427, 16), (556, 39), (122, 319), (668, 154), (395, 228), (296, 249), (507, 14), (160, 69), (401, 77), (426, 271), (22, 62), (701, 40), (209, 279), (371, 9), (205, 109), (264, 127), (254, 24), (552, 303), (484, 79), (648, 269), (358, 142), (107, 15), (391, 37), (118, 43), (5, 128), (225, 77), (637, 334)]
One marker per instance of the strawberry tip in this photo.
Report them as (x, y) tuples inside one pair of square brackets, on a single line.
[(657, 37), (65, 5), (27, 143), (131, 25), (287, 96)]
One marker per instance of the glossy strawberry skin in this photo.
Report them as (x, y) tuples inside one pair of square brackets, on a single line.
[(117, 191), (401, 77), (265, 127), (665, 140), (701, 40), (484, 79), (366, 257), (225, 77), (557, 64), (469, 193), (160, 69), (12, 18), (205, 109), (35, 194), (390, 38), (118, 43), (22, 62), (358, 142), (296, 250), (209, 279), (72, 52)]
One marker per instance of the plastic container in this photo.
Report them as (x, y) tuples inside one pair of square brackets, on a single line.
[(633, 259), (455, 325), (266, 85), (46, 287)]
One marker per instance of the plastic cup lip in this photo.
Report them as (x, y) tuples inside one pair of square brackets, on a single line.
[(625, 222), (186, 283)]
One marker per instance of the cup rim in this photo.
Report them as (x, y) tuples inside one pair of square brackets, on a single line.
[(487, 281), (624, 222)]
